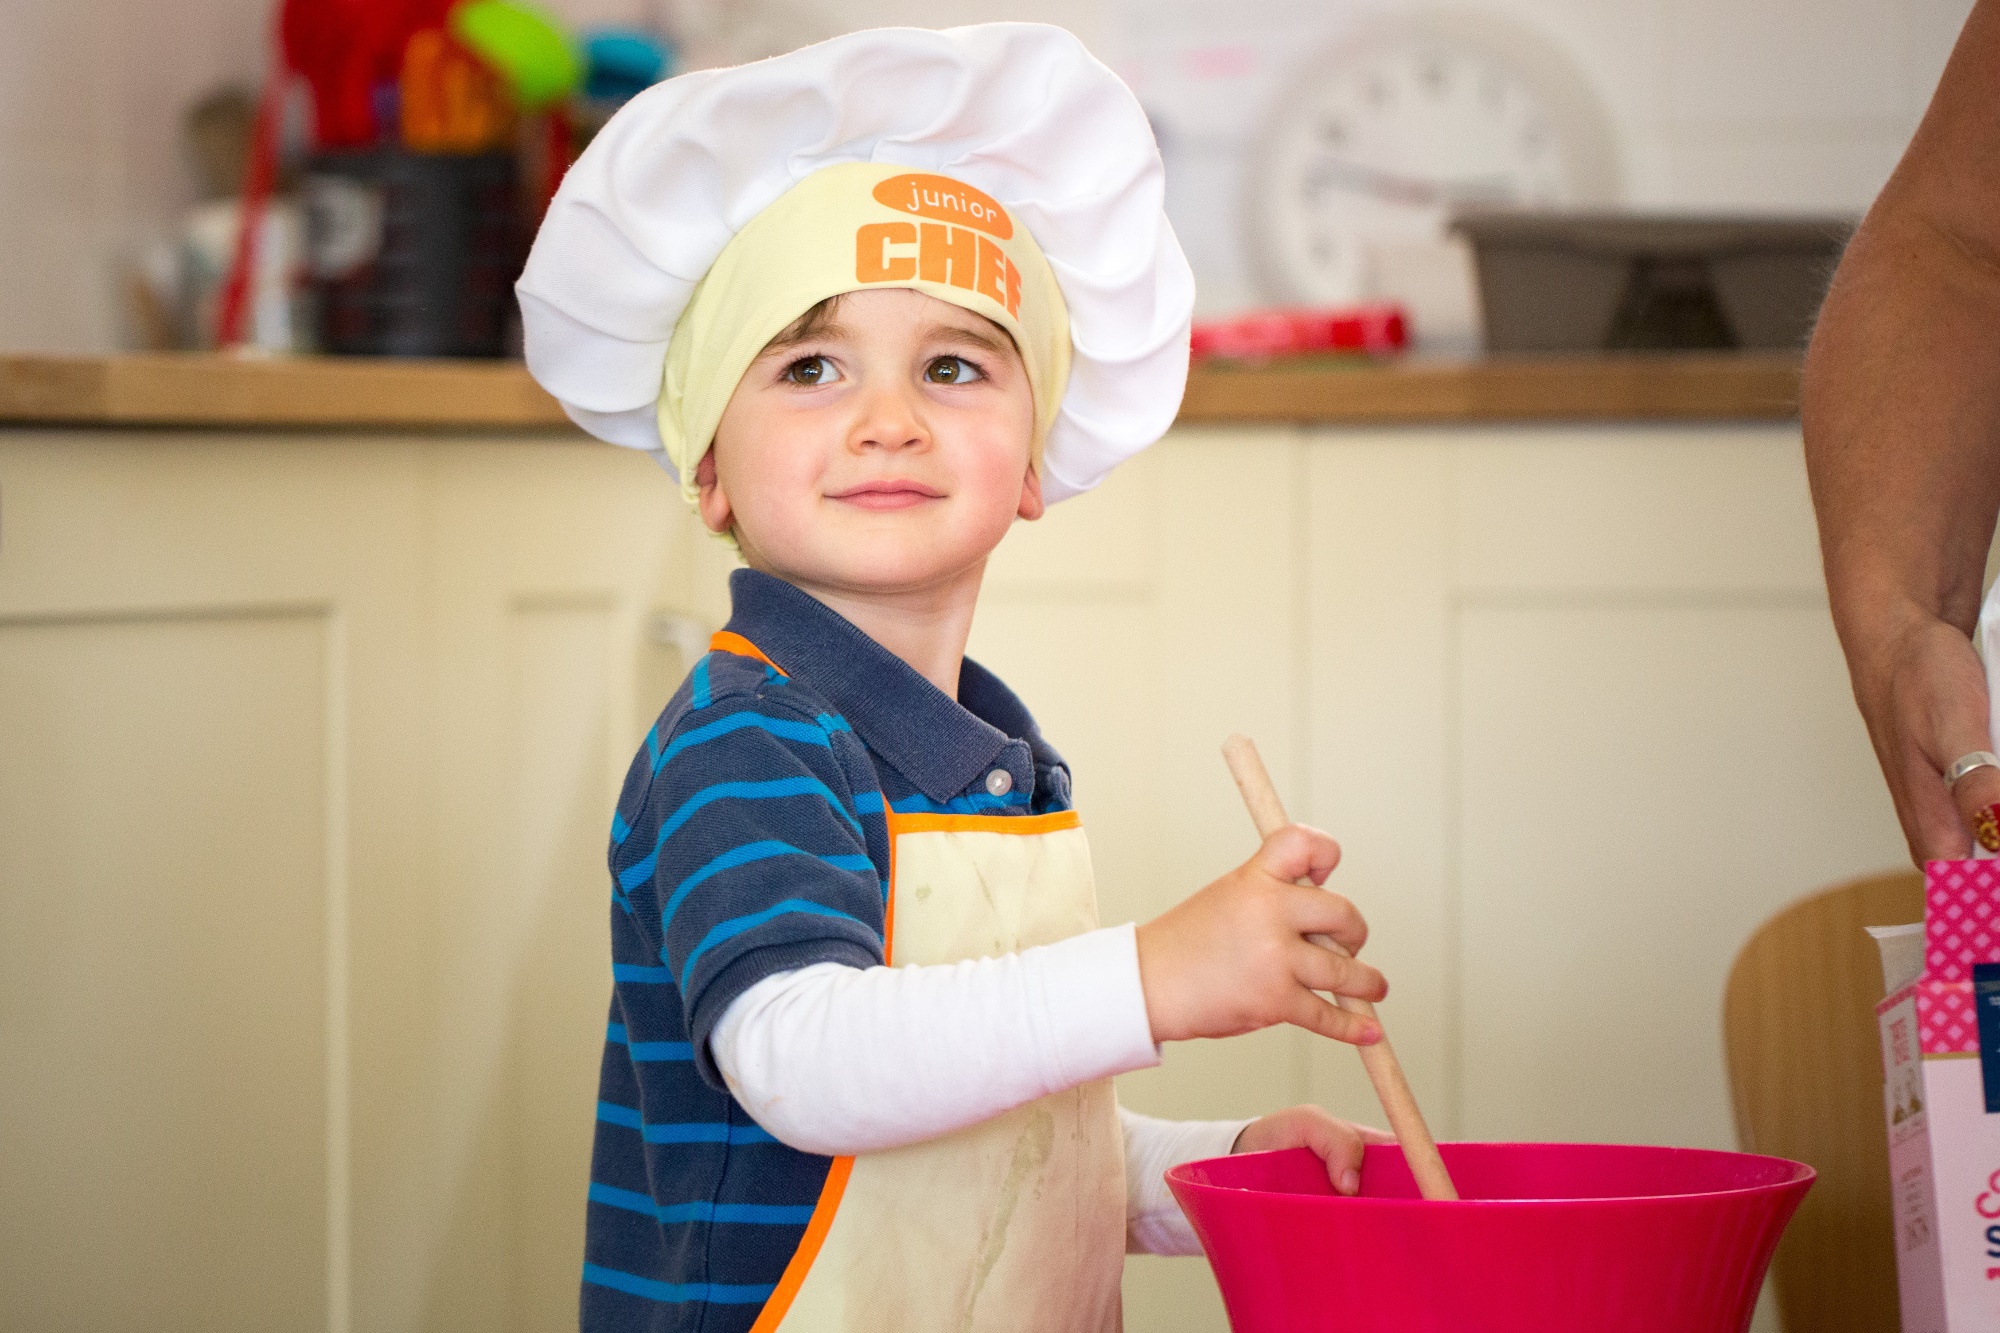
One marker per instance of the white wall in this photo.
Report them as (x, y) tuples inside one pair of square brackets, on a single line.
[(1758, 104), (91, 93)]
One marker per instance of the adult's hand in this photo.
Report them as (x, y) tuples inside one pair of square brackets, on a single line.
[(1924, 697), (1901, 409)]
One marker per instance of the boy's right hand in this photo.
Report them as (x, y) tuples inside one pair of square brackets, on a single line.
[(1234, 957)]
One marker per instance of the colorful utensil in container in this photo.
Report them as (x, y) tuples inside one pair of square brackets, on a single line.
[(451, 102), (321, 39), (351, 53), (621, 63), (529, 49)]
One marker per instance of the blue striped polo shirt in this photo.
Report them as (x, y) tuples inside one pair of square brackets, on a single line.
[(751, 839)]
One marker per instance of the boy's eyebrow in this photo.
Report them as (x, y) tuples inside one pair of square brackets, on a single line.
[(996, 342), (829, 331)]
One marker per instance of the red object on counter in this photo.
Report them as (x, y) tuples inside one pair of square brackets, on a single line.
[(1378, 329), (559, 146), (260, 174)]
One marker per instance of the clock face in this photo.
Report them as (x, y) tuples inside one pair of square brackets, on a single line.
[(1390, 132)]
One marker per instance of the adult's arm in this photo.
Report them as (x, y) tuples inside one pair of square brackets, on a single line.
[(1901, 410)]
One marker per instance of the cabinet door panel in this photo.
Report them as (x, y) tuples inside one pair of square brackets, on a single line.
[(1642, 785), (164, 1003)]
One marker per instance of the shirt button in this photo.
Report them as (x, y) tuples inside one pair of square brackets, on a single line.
[(999, 782)]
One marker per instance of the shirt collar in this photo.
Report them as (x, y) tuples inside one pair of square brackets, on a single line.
[(942, 745)]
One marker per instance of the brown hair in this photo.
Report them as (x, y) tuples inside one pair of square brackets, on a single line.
[(809, 325), (822, 315)]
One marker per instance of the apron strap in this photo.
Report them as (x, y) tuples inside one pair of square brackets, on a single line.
[(724, 641)]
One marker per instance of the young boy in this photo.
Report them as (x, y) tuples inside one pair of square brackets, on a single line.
[(873, 301)]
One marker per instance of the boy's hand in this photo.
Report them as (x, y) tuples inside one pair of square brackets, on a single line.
[(1234, 957), (1338, 1143)]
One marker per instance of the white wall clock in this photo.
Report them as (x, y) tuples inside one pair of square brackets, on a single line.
[(1386, 132)]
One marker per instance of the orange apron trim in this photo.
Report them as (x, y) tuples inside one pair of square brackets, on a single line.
[(780, 1301), (1054, 822), (724, 641)]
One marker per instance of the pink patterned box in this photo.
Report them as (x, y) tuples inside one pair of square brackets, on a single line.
[(1944, 1145), (1961, 928)]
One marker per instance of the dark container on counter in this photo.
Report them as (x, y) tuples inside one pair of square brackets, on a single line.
[(1587, 282), (414, 254)]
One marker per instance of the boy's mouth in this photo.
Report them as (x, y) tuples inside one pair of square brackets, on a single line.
[(887, 494)]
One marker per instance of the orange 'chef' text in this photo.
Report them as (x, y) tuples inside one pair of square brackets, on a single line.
[(956, 256)]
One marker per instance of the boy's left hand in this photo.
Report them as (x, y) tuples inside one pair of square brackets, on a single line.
[(1338, 1143)]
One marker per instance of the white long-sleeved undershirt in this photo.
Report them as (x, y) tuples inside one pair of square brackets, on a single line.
[(839, 1060)]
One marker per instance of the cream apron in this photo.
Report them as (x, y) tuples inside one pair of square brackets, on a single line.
[(1017, 1223)]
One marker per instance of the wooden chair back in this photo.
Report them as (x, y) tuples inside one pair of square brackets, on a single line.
[(1805, 1075)]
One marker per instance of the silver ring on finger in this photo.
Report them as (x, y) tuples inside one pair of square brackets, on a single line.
[(1965, 763)]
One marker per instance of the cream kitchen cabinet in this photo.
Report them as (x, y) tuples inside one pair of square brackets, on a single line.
[(309, 740)]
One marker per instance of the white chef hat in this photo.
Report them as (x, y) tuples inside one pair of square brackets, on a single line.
[(613, 297)]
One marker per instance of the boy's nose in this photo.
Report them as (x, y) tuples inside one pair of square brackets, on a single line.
[(891, 418)]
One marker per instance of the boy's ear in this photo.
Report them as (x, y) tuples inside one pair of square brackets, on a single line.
[(713, 504), (1031, 507)]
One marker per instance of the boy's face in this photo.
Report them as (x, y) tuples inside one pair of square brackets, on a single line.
[(885, 451)]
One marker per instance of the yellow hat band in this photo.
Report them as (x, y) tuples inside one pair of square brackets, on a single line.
[(847, 228)]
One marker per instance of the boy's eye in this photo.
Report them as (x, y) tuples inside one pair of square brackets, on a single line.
[(951, 370), (811, 371)]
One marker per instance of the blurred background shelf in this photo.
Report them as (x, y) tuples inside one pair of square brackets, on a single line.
[(197, 389), (191, 389), (1650, 387)]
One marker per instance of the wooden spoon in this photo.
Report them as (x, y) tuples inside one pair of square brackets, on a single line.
[(1384, 1071)]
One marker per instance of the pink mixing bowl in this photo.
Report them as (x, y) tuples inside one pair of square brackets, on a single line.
[(1548, 1237)]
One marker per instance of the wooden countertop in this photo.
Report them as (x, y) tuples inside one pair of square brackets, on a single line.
[(192, 390)]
